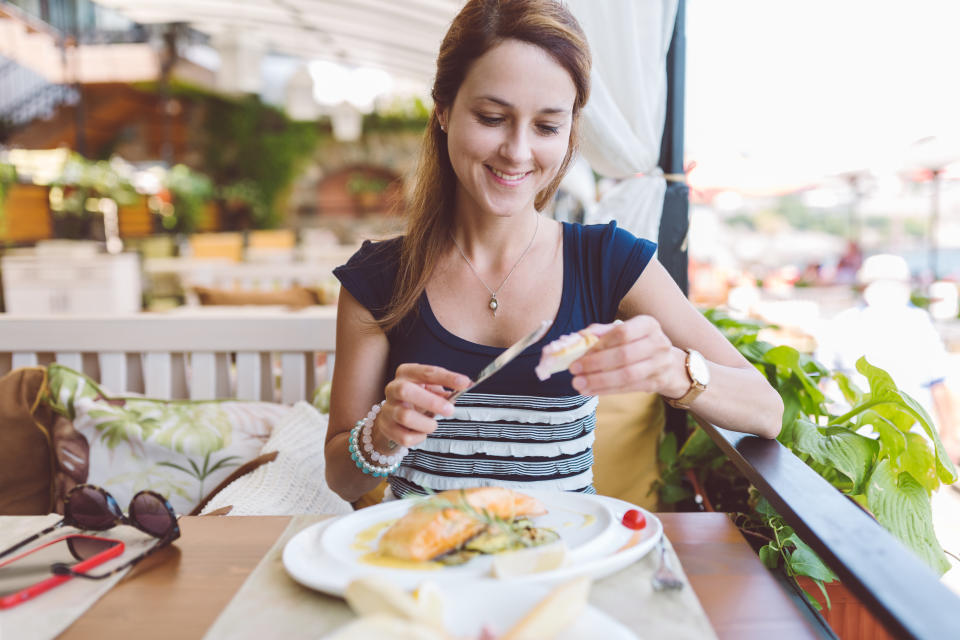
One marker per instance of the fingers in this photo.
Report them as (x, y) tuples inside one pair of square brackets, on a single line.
[(638, 339), (429, 374), (632, 356), (642, 376), (412, 399)]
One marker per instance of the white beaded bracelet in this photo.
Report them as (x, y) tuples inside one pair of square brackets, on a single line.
[(361, 439)]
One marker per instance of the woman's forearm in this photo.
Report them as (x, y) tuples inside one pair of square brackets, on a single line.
[(742, 400), (343, 475)]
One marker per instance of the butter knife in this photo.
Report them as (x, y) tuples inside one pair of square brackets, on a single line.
[(501, 360)]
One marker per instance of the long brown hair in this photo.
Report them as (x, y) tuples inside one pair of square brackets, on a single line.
[(480, 25)]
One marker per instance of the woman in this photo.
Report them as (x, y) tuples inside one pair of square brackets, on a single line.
[(479, 268)]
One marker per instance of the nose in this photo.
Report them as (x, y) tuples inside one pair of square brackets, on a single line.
[(515, 147)]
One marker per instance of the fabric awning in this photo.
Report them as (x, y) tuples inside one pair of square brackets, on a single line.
[(399, 37)]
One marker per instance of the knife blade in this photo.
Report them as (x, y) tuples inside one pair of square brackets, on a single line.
[(501, 360)]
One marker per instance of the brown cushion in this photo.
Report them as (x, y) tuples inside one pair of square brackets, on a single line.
[(26, 458), (242, 470), (292, 297), (625, 450), (71, 453)]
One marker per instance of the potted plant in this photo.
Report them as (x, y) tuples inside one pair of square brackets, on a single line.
[(180, 207), (74, 196), (870, 451), (367, 190)]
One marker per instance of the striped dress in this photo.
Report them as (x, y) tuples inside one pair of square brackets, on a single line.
[(513, 430)]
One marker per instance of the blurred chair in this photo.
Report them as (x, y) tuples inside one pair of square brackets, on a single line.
[(217, 245), (276, 245)]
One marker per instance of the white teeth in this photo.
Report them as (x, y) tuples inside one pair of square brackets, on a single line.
[(507, 176)]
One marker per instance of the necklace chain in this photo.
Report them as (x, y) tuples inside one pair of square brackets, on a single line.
[(494, 304)]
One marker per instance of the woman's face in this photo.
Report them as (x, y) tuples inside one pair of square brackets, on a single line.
[(509, 128)]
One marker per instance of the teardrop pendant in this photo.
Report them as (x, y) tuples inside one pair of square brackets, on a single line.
[(493, 304)]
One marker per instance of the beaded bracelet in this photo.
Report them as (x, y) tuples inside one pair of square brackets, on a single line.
[(362, 432)]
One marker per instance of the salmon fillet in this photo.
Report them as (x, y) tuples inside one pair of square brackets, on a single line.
[(431, 528)]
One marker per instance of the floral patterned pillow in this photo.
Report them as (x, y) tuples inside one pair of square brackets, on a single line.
[(179, 448)]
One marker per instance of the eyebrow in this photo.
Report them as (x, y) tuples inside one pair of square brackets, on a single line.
[(504, 103)]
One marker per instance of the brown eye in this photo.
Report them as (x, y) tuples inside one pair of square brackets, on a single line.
[(490, 121)]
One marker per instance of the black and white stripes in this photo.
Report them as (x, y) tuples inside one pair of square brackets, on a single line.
[(518, 442)]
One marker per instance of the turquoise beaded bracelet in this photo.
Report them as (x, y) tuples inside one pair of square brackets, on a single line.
[(361, 439)]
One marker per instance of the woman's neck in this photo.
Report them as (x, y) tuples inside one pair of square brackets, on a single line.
[(488, 240)]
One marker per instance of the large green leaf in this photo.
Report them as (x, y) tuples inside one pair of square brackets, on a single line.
[(667, 451), (883, 389), (917, 460), (791, 411), (699, 448), (755, 351), (805, 562), (850, 453), (902, 506), (851, 392), (787, 359), (893, 441)]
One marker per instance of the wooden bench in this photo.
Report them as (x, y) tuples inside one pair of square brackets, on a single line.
[(250, 355)]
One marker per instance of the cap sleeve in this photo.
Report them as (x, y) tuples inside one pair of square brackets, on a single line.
[(616, 258), (370, 273)]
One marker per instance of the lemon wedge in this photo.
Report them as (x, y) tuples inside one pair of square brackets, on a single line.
[(534, 560)]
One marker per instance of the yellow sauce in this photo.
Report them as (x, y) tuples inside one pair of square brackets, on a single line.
[(588, 520), (365, 539), (380, 560)]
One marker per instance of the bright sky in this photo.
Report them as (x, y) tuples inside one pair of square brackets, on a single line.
[(787, 91)]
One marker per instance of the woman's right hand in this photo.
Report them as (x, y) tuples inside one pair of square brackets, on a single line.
[(413, 397)]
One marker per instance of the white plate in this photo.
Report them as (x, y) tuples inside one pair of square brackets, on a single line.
[(468, 607), (584, 523), (328, 563)]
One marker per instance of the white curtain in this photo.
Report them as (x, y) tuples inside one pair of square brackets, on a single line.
[(623, 121)]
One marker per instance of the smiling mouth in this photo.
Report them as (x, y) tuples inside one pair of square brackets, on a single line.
[(508, 177)]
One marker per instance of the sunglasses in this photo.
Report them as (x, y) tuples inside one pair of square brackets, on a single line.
[(91, 508)]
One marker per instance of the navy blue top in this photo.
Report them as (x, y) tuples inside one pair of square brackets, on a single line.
[(512, 430), (600, 264)]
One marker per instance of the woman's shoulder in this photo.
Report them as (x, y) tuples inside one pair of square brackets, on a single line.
[(603, 235), (376, 254)]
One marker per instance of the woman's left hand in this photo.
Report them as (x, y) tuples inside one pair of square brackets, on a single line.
[(634, 355)]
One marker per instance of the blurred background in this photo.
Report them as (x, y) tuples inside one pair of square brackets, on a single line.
[(156, 155)]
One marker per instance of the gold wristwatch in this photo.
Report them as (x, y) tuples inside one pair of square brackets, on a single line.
[(699, 375)]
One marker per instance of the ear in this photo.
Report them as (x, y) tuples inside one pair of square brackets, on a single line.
[(443, 117)]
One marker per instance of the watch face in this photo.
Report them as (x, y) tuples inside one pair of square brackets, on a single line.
[(698, 368)]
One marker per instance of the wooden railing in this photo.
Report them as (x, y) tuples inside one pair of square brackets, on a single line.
[(896, 587)]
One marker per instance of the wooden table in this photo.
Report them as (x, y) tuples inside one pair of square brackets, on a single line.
[(179, 592)]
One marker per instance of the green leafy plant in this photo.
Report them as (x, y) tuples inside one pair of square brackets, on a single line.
[(74, 195), (881, 450), (191, 191), (254, 151), (361, 184)]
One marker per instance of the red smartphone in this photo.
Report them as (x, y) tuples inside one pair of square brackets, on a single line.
[(28, 574)]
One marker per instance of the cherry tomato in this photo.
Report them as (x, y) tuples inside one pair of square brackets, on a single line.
[(633, 519)]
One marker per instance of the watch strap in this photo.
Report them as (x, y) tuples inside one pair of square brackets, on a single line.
[(695, 389)]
